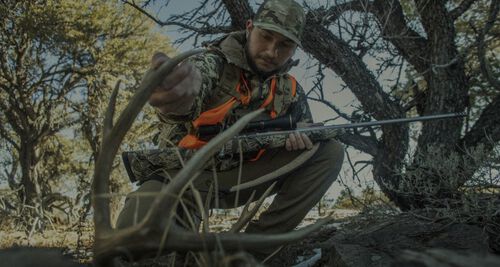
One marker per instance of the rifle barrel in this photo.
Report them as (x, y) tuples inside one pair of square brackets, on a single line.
[(354, 125)]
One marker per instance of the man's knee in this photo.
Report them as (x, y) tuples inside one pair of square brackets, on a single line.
[(138, 203), (331, 156)]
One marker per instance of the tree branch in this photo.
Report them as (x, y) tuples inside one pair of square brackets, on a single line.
[(239, 11), (481, 46), (396, 31), (206, 30), (334, 12), (362, 143), (333, 107), (337, 55), (486, 128), (460, 9)]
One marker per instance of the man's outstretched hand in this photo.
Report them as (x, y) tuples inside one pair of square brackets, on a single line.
[(177, 92)]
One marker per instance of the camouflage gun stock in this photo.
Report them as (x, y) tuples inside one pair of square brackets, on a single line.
[(140, 164)]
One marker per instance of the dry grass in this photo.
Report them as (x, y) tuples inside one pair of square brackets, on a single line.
[(67, 238)]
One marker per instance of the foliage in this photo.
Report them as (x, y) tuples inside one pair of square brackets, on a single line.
[(369, 198), (59, 62)]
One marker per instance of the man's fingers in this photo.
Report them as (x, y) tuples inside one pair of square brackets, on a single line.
[(172, 95), (288, 144), (176, 79), (158, 59), (293, 141), (177, 76), (300, 142), (180, 97), (307, 141)]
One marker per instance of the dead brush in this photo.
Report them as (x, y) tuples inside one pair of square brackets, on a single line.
[(474, 200)]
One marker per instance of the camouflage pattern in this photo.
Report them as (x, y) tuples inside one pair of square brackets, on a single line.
[(225, 57), (283, 16), (141, 164)]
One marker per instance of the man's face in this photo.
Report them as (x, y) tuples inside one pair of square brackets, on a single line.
[(268, 50)]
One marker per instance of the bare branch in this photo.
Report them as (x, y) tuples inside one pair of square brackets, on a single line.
[(395, 30), (486, 128), (362, 143), (334, 12), (333, 107), (464, 6), (337, 55), (481, 44), (206, 30)]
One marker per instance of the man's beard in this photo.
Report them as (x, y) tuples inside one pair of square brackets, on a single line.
[(254, 67)]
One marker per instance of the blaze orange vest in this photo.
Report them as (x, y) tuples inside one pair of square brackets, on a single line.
[(217, 115)]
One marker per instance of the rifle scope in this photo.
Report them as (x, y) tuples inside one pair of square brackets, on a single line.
[(281, 123)]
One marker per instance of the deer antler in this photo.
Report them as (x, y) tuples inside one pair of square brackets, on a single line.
[(148, 235), (113, 136)]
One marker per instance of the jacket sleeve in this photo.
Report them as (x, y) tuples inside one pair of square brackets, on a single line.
[(174, 126), (210, 65)]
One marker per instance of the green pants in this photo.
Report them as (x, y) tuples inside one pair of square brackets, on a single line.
[(296, 192)]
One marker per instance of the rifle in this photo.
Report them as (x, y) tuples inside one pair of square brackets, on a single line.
[(255, 136)]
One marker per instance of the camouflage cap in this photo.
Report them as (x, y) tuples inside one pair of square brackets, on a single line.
[(282, 16)]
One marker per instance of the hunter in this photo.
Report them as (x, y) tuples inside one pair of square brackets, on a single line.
[(241, 72)]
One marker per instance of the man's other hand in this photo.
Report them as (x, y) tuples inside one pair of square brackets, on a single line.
[(298, 141), (177, 92)]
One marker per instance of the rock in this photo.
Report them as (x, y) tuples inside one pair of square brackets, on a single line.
[(34, 257), (445, 258), (380, 241)]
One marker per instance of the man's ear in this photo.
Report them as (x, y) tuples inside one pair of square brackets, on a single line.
[(249, 27)]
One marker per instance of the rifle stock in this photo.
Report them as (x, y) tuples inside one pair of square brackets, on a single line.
[(143, 163)]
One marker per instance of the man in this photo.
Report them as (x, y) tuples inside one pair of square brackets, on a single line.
[(242, 72)]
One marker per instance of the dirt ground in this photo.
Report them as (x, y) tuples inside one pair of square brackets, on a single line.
[(79, 243)]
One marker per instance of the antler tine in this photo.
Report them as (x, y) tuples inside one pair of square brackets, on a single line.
[(165, 205), (247, 214), (181, 240), (110, 112), (115, 134)]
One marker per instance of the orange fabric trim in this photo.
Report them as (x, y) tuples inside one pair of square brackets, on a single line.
[(245, 95), (215, 115), (294, 85), (259, 154), (191, 142), (273, 114), (270, 97)]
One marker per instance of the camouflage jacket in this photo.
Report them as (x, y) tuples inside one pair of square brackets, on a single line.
[(223, 58)]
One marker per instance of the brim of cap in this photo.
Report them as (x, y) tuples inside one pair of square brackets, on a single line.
[(273, 27)]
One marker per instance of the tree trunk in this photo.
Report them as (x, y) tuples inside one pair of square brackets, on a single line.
[(337, 55), (31, 192), (240, 12)]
